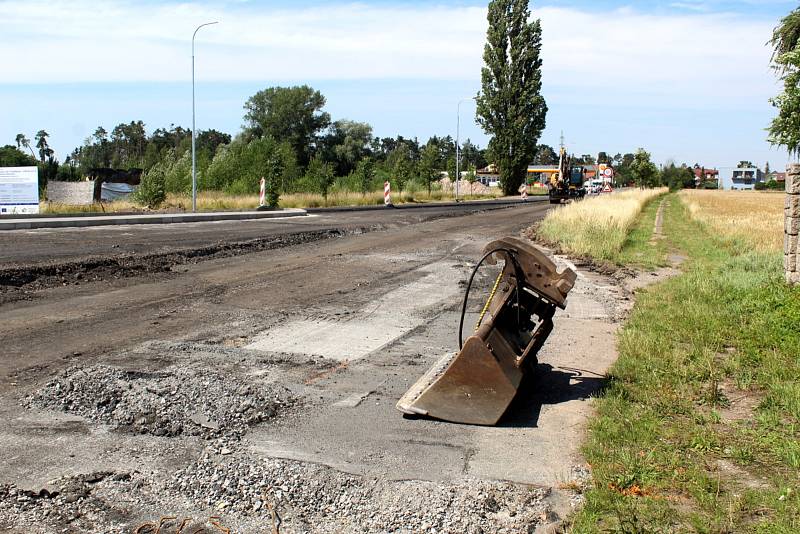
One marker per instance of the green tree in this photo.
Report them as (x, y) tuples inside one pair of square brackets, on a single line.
[(22, 141), (643, 172), (291, 114), (346, 143), (274, 172), (451, 168), (784, 130), (471, 178), (320, 174), (238, 167), (128, 143), (365, 173), (209, 140), (428, 166), (45, 151), (545, 155), (622, 168), (11, 156), (510, 106), (152, 187), (785, 37), (401, 166), (745, 164), (471, 154), (676, 177)]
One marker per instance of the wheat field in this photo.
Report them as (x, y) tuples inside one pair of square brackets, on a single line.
[(753, 216)]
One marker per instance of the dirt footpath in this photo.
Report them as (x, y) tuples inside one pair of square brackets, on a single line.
[(256, 392)]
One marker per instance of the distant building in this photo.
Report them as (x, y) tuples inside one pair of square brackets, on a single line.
[(744, 178), (701, 174), (541, 173), (779, 177), (488, 176)]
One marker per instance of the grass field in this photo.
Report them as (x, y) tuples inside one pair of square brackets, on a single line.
[(597, 227), (698, 429)]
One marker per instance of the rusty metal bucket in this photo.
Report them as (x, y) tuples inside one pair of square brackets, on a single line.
[(477, 384)]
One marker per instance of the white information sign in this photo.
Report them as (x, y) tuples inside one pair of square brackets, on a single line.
[(19, 190)]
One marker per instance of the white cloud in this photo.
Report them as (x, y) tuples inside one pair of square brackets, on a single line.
[(684, 84), (626, 51)]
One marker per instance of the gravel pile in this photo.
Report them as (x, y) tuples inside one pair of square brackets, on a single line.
[(314, 499), (76, 501), (172, 402)]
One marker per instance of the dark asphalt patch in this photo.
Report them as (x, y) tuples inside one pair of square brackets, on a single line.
[(17, 283)]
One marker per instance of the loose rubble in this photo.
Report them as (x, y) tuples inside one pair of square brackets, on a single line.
[(171, 402), (77, 501), (313, 499)]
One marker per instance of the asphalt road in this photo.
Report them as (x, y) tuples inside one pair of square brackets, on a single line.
[(345, 321), (45, 246)]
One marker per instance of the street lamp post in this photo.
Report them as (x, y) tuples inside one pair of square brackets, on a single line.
[(458, 142), (194, 159)]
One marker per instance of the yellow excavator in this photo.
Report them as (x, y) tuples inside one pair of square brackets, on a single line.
[(567, 183), (477, 384)]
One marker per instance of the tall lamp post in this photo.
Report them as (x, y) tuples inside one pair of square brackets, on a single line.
[(458, 142), (194, 159)]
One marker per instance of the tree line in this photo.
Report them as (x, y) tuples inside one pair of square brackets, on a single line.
[(287, 137)]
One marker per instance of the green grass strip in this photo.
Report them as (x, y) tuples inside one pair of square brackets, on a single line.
[(699, 427)]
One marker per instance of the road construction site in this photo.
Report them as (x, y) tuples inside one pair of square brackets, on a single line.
[(243, 375)]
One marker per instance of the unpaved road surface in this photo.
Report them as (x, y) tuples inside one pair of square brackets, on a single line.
[(248, 372)]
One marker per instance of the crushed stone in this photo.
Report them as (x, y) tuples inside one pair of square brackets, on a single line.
[(174, 401)]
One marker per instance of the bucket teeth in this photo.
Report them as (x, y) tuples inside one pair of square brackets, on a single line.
[(477, 384)]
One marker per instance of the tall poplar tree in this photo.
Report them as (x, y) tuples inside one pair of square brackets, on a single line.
[(511, 107)]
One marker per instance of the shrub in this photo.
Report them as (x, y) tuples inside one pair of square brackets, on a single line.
[(151, 191), (240, 165), (774, 185), (319, 176)]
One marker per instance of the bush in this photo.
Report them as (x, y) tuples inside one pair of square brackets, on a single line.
[(177, 172), (774, 185), (240, 165), (760, 186), (151, 191), (319, 177)]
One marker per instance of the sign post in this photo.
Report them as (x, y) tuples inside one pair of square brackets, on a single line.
[(19, 190), (387, 193)]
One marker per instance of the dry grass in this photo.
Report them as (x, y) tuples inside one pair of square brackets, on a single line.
[(754, 216), (596, 227), (97, 207), (218, 201)]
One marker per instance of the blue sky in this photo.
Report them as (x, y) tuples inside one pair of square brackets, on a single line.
[(688, 80)]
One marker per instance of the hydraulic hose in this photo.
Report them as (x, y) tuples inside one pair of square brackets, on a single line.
[(512, 256)]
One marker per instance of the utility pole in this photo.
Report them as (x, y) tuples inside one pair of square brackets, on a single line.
[(194, 135)]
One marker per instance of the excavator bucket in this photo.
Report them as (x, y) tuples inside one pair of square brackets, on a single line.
[(477, 384)]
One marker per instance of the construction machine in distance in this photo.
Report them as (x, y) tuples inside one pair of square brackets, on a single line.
[(477, 384), (567, 183)]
